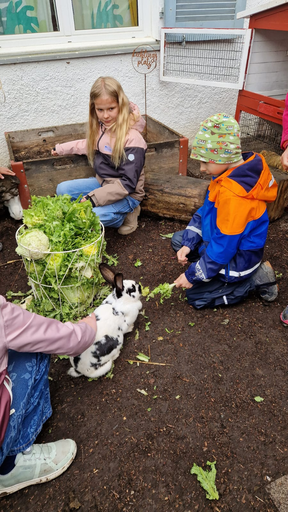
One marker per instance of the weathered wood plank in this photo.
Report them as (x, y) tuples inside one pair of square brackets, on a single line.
[(176, 197)]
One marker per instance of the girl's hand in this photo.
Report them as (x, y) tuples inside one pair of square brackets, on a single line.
[(53, 152), (90, 320), (182, 282), (5, 170), (284, 159), (83, 199), (181, 255)]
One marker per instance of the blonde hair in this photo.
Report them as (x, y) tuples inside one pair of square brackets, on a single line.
[(106, 85)]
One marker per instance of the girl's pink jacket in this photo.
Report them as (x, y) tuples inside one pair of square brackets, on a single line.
[(284, 140), (23, 331)]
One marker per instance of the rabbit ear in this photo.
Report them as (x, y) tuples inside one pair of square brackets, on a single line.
[(107, 273), (118, 283)]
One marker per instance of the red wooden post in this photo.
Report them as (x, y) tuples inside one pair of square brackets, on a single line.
[(183, 156), (24, 192)]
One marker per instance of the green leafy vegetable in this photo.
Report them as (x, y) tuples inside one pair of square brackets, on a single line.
[(207, 480), (62, 243), (145, 290), (33, 244), (165, 291)]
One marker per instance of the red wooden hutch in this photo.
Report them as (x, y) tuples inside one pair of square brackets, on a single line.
[(266, 81)]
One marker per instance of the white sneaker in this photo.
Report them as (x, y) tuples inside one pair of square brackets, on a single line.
[(42, 463)]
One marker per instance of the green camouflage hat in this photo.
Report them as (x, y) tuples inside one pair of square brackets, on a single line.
[(218, 140)]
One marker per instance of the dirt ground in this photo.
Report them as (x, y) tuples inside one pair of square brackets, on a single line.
[(135, 451)]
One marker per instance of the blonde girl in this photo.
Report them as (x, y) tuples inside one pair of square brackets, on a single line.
[(116, 150)]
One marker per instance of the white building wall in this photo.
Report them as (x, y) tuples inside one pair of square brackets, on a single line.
[(56, 92)]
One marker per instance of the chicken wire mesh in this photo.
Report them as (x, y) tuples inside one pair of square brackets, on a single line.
[(258, 134), (75, 287), (216, 58)]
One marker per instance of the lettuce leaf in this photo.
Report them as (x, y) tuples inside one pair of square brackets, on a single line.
[(207, 480), (165, 291)]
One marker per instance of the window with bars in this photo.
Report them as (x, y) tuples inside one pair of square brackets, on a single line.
[(203, 14), (214, 57)]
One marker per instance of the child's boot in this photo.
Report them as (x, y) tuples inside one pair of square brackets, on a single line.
[(264, 280), (130, 223)]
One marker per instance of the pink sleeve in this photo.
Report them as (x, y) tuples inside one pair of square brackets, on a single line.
[(28, 332), (285, 125), (75, 147), (139, 123)]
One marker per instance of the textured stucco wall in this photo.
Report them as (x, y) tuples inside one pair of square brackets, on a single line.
[(56, 92)]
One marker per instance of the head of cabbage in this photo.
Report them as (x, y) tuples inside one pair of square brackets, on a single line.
[(33, 244)]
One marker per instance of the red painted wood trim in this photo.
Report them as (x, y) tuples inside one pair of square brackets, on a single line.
[(275, 18), (24, 192), (183, 156), (260, 106)]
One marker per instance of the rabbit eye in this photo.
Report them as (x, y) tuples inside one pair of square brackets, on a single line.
[(131, 290)]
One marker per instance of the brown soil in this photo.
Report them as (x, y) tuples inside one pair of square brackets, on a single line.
[(135, 452)]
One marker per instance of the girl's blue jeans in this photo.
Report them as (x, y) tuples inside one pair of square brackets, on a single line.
[(31, 401), (112, 215)]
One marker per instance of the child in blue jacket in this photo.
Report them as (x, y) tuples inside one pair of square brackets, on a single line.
[(224, 241)]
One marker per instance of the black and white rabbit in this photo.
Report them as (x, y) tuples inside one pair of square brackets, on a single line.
[(115, 317)]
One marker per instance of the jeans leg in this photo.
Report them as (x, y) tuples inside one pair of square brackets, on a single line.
[(113, 215), (31, 401), (76, 187)]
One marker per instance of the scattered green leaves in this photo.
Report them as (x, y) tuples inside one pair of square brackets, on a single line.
[(147, 326), (110, 375), (169, 235), (61, 357), (111, 260), (164, 289), (142, 391), (143, 357), (225, 322), (207, 479), (258, 399), (138, 263), (145, 290), (191, 324)]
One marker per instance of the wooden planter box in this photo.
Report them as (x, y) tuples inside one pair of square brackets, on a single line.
[(169, 191)]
